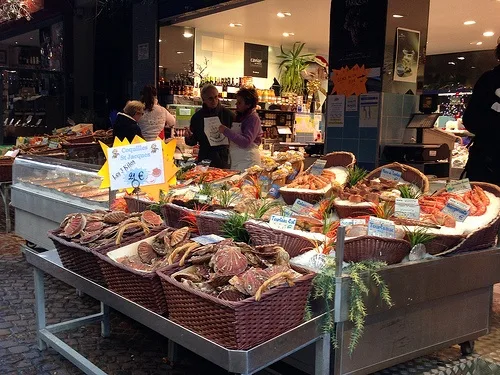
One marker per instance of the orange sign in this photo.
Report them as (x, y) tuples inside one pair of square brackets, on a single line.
[(350, 81)]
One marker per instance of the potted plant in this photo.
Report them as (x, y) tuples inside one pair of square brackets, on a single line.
[(291, 65)]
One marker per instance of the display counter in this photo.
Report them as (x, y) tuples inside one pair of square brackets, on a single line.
[(45, 190)]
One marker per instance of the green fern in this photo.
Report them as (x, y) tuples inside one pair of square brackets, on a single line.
[(409, 191), (355, 174), (234, 228), (419, 235), (263, 206), (225, 197)]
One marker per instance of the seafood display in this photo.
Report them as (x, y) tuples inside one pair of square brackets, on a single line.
[(235, 271), (198, 175), (311, 182), (102, 228)]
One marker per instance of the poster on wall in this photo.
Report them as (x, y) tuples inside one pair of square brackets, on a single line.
[(407, 55), (335, 111), (256, 60), (369, 107)]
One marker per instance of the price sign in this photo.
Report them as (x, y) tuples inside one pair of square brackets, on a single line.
[(381, 228), (458, 186), (302, 207), (457, 209), (317, 167), (390, 174), (407, 208), (282, 222), (347, 222), (208, 239), (136, 165)]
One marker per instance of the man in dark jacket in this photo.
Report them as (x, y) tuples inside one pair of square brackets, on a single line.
[(219, 155), (126, 125), (482, 117)]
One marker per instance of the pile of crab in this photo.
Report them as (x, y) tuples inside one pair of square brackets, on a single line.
[(373, 191), (101, 228), (234, 271)]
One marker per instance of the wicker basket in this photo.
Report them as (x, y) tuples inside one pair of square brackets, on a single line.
[(173, 215), (345, 211), (136, 204), (442, 242), (311, 196), (82, 260), (408, 174), (484, 237), (291, 242), (339, 159), (143, 288), (237, 325), (387, 250), (210, 224)]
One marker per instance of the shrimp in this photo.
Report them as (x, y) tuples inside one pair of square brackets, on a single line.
[(482, 195)]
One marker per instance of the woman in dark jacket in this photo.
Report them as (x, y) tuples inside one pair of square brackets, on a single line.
[(219, 155), (126, 125), (482, 117)]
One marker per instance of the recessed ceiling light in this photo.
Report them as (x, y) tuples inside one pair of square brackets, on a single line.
[(461, 58), (489, 33), (159, 40), (283, 14), (160, 66), (286, 35), (16, 42), (397, 15), (180, 52), (467, 23), (473, 67), (187, 34), (479, 43), (235, 24), (451, 63), (31, 38)]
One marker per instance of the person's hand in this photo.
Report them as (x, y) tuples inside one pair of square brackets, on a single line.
[(222, 128)]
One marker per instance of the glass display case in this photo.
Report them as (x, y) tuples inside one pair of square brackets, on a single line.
[(45, 190)]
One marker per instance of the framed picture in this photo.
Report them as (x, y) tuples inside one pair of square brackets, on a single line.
[(3, 57), (407, 55)]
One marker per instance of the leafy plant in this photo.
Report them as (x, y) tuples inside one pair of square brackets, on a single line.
[(419, 235), (324, 288), (291, 65), (191, 218), (206, 189), (226, 197), (383, 210), (409, 191), (234, 228), (263, 206), (355, 174)]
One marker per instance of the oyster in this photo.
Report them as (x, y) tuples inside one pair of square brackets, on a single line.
[(93, 226), (114, 217), (250, 281), (74, 226), (146, 252), (229, 261), (178, 236), (151, 218)]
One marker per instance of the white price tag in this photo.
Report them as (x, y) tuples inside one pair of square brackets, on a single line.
[(282, 222), (189, 195), (302, 207), (381, 228), (407, 208), (208, 239), (390, 174), (202, 198), (288, 212), (458, 186), (317, 167), (347, 222), (457, 209)]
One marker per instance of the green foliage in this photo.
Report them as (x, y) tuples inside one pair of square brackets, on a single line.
[(291, 65), (360, 273), (234, 228), (409, 191), (206, 189), (225, 197), (419, 235), (355, 174), (263, 206)]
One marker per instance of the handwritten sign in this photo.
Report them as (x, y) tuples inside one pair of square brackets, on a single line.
[(381, 228), (282, 222), (390, 174), (302, 207), (215, 137), (407, 208), (136, 165), (458, 186), (208, 239), (457, 209), (350, 81), (347, 222), (317, 167)]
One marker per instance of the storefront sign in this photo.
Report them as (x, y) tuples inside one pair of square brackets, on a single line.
[(407, 208), (256, 60), (458, 186), (136, 165), (335, 111), (282, 222), (407, 55), (390, 174), (457, 209), (381, 228)]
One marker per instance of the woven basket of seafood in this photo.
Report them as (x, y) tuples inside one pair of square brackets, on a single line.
[(408, 174), (82, 235), (131, 270), (478, 230), (210, 223), (389, 250), (339, 159), (295, 242), (239, 295), (309, 187), (175, 215), (138, 203)]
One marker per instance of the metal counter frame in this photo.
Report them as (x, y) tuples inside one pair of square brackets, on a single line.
[(236, 361)]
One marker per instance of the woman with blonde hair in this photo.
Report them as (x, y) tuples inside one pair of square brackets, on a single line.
[(126, 122), (155, 117)]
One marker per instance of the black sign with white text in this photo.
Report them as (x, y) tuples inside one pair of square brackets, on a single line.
[(256, 59)]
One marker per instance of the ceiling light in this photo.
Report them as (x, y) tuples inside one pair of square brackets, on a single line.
[(451, 63), (286, 35), (479, 43), (187, 33), (397, 15), (159, 40), (489, 33), (160, 66), (461, 58), (467, 23), (16, 42), (180, 52), (283, 14), (473, 67), (235, 24), (31, 38)]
